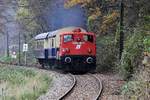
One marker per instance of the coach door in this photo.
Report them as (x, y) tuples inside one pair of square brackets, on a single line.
[(53, 45)]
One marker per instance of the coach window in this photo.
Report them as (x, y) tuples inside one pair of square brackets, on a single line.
[(68, 38), (52, 43), (88, 38), (40, 44)]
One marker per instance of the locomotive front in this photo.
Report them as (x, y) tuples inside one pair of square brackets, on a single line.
[(78, 51)]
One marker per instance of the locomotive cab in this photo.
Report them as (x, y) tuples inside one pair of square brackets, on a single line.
[(78, 50)]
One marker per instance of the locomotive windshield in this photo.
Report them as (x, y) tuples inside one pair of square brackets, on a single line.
[(88, 38), (68, 38)]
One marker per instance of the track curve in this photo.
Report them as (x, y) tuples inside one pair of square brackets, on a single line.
[(100, 87), (71, 88), (87, 87)]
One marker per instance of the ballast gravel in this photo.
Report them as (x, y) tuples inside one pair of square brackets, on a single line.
[(86, 88), (61, 83)]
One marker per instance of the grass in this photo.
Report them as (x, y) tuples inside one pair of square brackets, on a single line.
[(136, 57), (22, 84), (136, 90), (6, 59)]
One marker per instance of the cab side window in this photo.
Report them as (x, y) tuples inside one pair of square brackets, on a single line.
[(68, 38), (88, 38)]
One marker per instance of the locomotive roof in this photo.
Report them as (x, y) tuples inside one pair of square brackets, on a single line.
[(86, 33)]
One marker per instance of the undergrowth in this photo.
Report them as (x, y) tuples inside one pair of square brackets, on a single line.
[(132, 54), (107, 53), (136, 61), (22, 84)]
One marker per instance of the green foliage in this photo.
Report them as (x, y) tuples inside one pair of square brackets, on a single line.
[(19, 83), (6, 59), (146, 23), (29, 14), (15, 76), (147, 18), (23, 12), (25, 16), (106, 53), (11, 60), (105, 40), (31, 60), (147, 44), (132, 53), (23, 2), (136, 90), (99, 19)]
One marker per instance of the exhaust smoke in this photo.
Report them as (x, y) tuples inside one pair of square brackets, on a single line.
[(58, 16)]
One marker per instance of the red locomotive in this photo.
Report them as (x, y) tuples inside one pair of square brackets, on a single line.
[(70, 49)]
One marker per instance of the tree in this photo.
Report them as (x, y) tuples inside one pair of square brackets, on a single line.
[(30, 13), (101, 18)]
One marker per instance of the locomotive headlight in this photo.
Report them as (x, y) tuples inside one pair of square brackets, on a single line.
[(67, 50), (89, 60), (68, 60), (64, 50), (89, 50)]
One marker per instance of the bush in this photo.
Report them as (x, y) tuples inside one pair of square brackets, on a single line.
[(136, 90), (107, 53), (6, 59), (147, 44), (132, 54)]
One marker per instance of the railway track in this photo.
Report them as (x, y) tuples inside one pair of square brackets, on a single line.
[(62, 85), (90, 89), (71, 88), (100, 87)]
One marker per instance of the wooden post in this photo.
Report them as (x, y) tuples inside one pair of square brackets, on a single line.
[(121, 28), (19, 49), (25, 58), (7, 36)]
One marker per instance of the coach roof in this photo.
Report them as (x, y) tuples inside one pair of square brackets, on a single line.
[(41, 36)]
